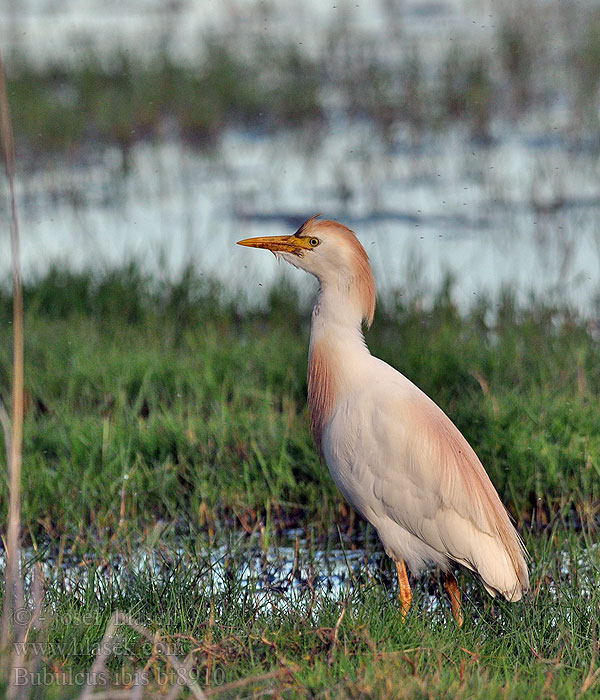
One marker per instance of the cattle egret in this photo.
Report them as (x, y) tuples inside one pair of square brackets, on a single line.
[(392, 452)]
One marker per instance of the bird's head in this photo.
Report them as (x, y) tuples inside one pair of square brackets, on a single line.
[(332, 253)]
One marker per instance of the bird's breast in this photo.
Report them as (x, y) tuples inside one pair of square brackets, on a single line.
[(322, 389), (337, 366)]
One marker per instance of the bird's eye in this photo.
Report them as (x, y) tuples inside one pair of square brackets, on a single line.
[(314, 242)]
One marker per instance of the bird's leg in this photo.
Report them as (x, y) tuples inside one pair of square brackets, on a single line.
[(404, 596), (451, 588)]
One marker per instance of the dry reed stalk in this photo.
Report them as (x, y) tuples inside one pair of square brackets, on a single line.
[(6, 429), (10, 629), (104, 650)]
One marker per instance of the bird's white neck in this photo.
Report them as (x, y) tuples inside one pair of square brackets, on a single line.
[(337, 347)]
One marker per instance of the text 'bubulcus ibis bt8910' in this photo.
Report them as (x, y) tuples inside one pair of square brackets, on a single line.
[(392, 452)]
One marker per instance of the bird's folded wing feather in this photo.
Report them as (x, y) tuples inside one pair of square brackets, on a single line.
[(427, 478)]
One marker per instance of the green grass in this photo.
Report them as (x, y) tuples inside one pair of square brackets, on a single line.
[(167, 419), (236, 628), (192, 404)]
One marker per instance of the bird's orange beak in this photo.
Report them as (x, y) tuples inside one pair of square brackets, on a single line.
[(279, 244)]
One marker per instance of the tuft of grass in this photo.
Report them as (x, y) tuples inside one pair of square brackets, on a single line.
[(468, 91), (518, 57), (585, 59)]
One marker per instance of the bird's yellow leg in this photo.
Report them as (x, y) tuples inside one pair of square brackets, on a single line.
[(451, 588), (404, 596)]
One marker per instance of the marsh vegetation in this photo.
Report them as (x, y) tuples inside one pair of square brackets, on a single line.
[(239, 78), (168, 470), (169, 474)]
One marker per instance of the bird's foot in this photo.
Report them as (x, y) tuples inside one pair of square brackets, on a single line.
[(404, 595), (451, 588)]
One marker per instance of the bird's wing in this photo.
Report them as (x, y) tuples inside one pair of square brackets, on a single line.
[(427, 478)]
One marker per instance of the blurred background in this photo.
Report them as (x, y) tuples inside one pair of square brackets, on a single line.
[(460, 139)]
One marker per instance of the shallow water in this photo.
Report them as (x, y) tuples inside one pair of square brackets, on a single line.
[(513, 214), (291, 571), (292, 563)]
